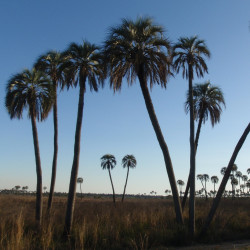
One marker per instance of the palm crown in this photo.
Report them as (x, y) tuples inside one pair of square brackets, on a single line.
[(188, 52), (137, 48), (207, 102), (85, 62), (108, 161), (32, 90), (129, 161)]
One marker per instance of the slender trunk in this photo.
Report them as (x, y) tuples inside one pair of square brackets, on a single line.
[(112, 186), (163, 145), (225, 180), (39, 198), (192, 160), (81, 189), (75, 165), (125, 185), (214, 189), (54, 163), (196, 146), (206, 189)]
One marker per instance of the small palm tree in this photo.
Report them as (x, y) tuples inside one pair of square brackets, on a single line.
[(80, 181), (85, 65), (214, 180), (52, 64), (181, 184), (108, 161), (223, 170), (244, 178), (248, 171), (128, 162), (238, 175), (206, 179), (139, 49), (188, 57), (234, 183), (31, 90), (234, 169)]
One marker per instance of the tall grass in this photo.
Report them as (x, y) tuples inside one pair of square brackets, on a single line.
[(135, 224)]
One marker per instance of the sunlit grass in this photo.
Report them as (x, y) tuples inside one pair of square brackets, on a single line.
[(135, 224)]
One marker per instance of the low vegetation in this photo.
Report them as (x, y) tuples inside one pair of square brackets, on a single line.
[(138, 223)]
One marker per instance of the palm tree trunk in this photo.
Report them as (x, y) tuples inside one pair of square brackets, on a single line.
[(125, 185), (39, 198), (206, 189), (54, 163), (163, 145), (112, 186), (196, 146), (224, 181), (192, 160), (81, 189), (75, 165)]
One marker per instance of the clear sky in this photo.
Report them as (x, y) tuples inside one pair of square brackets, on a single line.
[(118, 123)]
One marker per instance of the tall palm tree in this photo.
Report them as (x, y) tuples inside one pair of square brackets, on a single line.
[(108, 161), (139, 49), (238, 175), (31, 90), (85, 65), (248, 171), (214, 180), (128, 162), (234, 183), (244, 178), (188, 57), (224, 181), (80, 181), (223, 170), (53, 63), (206, 179)]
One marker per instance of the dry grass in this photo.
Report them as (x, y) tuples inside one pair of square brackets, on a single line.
[(136, 224)]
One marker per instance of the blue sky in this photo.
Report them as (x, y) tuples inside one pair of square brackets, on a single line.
[(119, 123)]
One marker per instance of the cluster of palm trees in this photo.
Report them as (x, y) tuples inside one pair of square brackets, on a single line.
[(134, 49), (108, 162)]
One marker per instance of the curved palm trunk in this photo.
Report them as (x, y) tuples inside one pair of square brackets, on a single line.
[(75, 165), (196, 146), (164, 148), (112, 186), (39, 198), (81, 189), (125, 185), (224, 180), (206, 189), (192, 160), (54, 163)]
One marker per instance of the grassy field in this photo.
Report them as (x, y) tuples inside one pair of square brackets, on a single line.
[(135, 224)]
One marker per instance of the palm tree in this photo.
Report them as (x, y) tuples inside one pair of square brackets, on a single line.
[(238, 175), (214, 180), (207, 103), (206, 179), (180, 183), (139, 49), (188, 57), (234, 183), (224, 181), (108, 161), (244, 178), (80, 181), (223, 170), (85, 65), (52, 63), (128, 162), (234, 169), (31, 90), (248, 171)]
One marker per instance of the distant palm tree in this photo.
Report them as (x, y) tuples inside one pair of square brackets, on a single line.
[(238, 175), (234, 169), (248, 171), (206, 179), (214, 180), (244, 178), (208, 100), (128, 162), (31, 90), (188, 57), (139, 49), (80, 181), (85, 66), (234, 183), (53, 63), (44, 189), (108, 161), (223, 170), (181, 184), (17, 187)]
